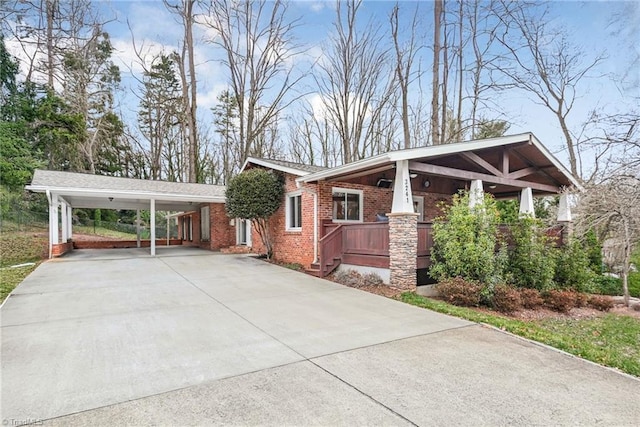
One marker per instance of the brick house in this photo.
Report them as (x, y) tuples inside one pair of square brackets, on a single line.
[(375, 214), (372, 215)]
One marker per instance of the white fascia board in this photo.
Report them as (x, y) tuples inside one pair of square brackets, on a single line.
[(356, 166), (458, 147), (556, 163), (146, 195), (268, 164)]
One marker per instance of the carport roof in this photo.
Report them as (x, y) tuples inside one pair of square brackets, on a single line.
[(83, 190)]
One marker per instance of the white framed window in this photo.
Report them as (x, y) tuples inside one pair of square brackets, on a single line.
[(205, 224), (294, 211), (418, 207), (347, 204)]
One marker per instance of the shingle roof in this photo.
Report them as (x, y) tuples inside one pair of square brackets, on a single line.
[(58, 179), (299, 169)]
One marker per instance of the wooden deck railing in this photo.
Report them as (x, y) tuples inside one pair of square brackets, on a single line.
[(367, 244), (425, 243), (330, 253)]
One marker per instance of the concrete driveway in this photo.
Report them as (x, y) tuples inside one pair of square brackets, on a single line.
[(115, 337)]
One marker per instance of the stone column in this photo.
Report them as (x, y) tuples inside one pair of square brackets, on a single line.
[(403, 249)]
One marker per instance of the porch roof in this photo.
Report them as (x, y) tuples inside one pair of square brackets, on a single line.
[(81, 190), (514, 161)]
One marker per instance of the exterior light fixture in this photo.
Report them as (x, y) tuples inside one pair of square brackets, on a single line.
[(426, 183)]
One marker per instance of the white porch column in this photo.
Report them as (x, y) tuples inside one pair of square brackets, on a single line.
[(153, 227), (64, 222), (137, 228), (476, 193), (69, 222), (53, 219), (564, 210), (564, 218), (402, 196), (526, 203)]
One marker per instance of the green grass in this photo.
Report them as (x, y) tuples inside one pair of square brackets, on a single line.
[(103, 232), (611, 340), (18, 248)]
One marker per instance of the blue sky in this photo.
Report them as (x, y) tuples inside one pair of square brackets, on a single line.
[(587, 22)]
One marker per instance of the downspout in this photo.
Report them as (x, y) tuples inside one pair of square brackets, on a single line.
[(50, 239), (315, 219)]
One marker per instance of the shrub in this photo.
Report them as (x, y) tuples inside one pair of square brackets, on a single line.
[(531, 298), (602, 303), (464, 241), (607, 285), (532, 257), (506, 299), (458, 291), (582, 299), (573, 270), (593, 248), (372, 279), (561, 301)]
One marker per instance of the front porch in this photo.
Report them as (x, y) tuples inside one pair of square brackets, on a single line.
[(367, 245), (386, 220)]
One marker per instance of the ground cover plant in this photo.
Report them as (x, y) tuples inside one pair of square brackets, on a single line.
[(610, 340), (19, 247)]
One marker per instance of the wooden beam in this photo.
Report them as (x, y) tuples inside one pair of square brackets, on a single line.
[(470, 176), (541, 170), (473, 157), (505, 162), (522, 172), (363, 173)]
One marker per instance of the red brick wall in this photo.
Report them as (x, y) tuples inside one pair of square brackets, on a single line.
[(222, 234), (60, 249), (107, 244), (298, 246), (291, 246)]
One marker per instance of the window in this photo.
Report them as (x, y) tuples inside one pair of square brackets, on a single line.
[(347, 204), (294, 212), (205, 222)]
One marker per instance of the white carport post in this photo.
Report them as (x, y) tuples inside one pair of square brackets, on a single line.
[(153, 227), (476, 193), (137, 228), (64, 222), (69, 222), (53, 222), (526, 203)]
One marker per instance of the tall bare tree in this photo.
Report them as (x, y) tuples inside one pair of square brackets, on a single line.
[(256, 38), (405, 56), (355, 81), (184, 10), (435, 78), (543, 62), (613, 208)]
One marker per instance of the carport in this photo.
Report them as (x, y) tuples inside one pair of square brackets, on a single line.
[(68, 190)]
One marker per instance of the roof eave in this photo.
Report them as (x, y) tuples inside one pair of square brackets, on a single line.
[(268, 164), (70, 191)]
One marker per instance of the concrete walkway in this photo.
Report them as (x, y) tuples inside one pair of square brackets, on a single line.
[(115, 337)]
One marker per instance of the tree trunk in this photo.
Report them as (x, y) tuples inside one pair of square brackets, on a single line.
[(435, 102)]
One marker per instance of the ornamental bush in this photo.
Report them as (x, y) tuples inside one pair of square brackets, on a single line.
[(506, 299), (464, 241), (255, 195), (532, 258), (573, 268), (458, 291)]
